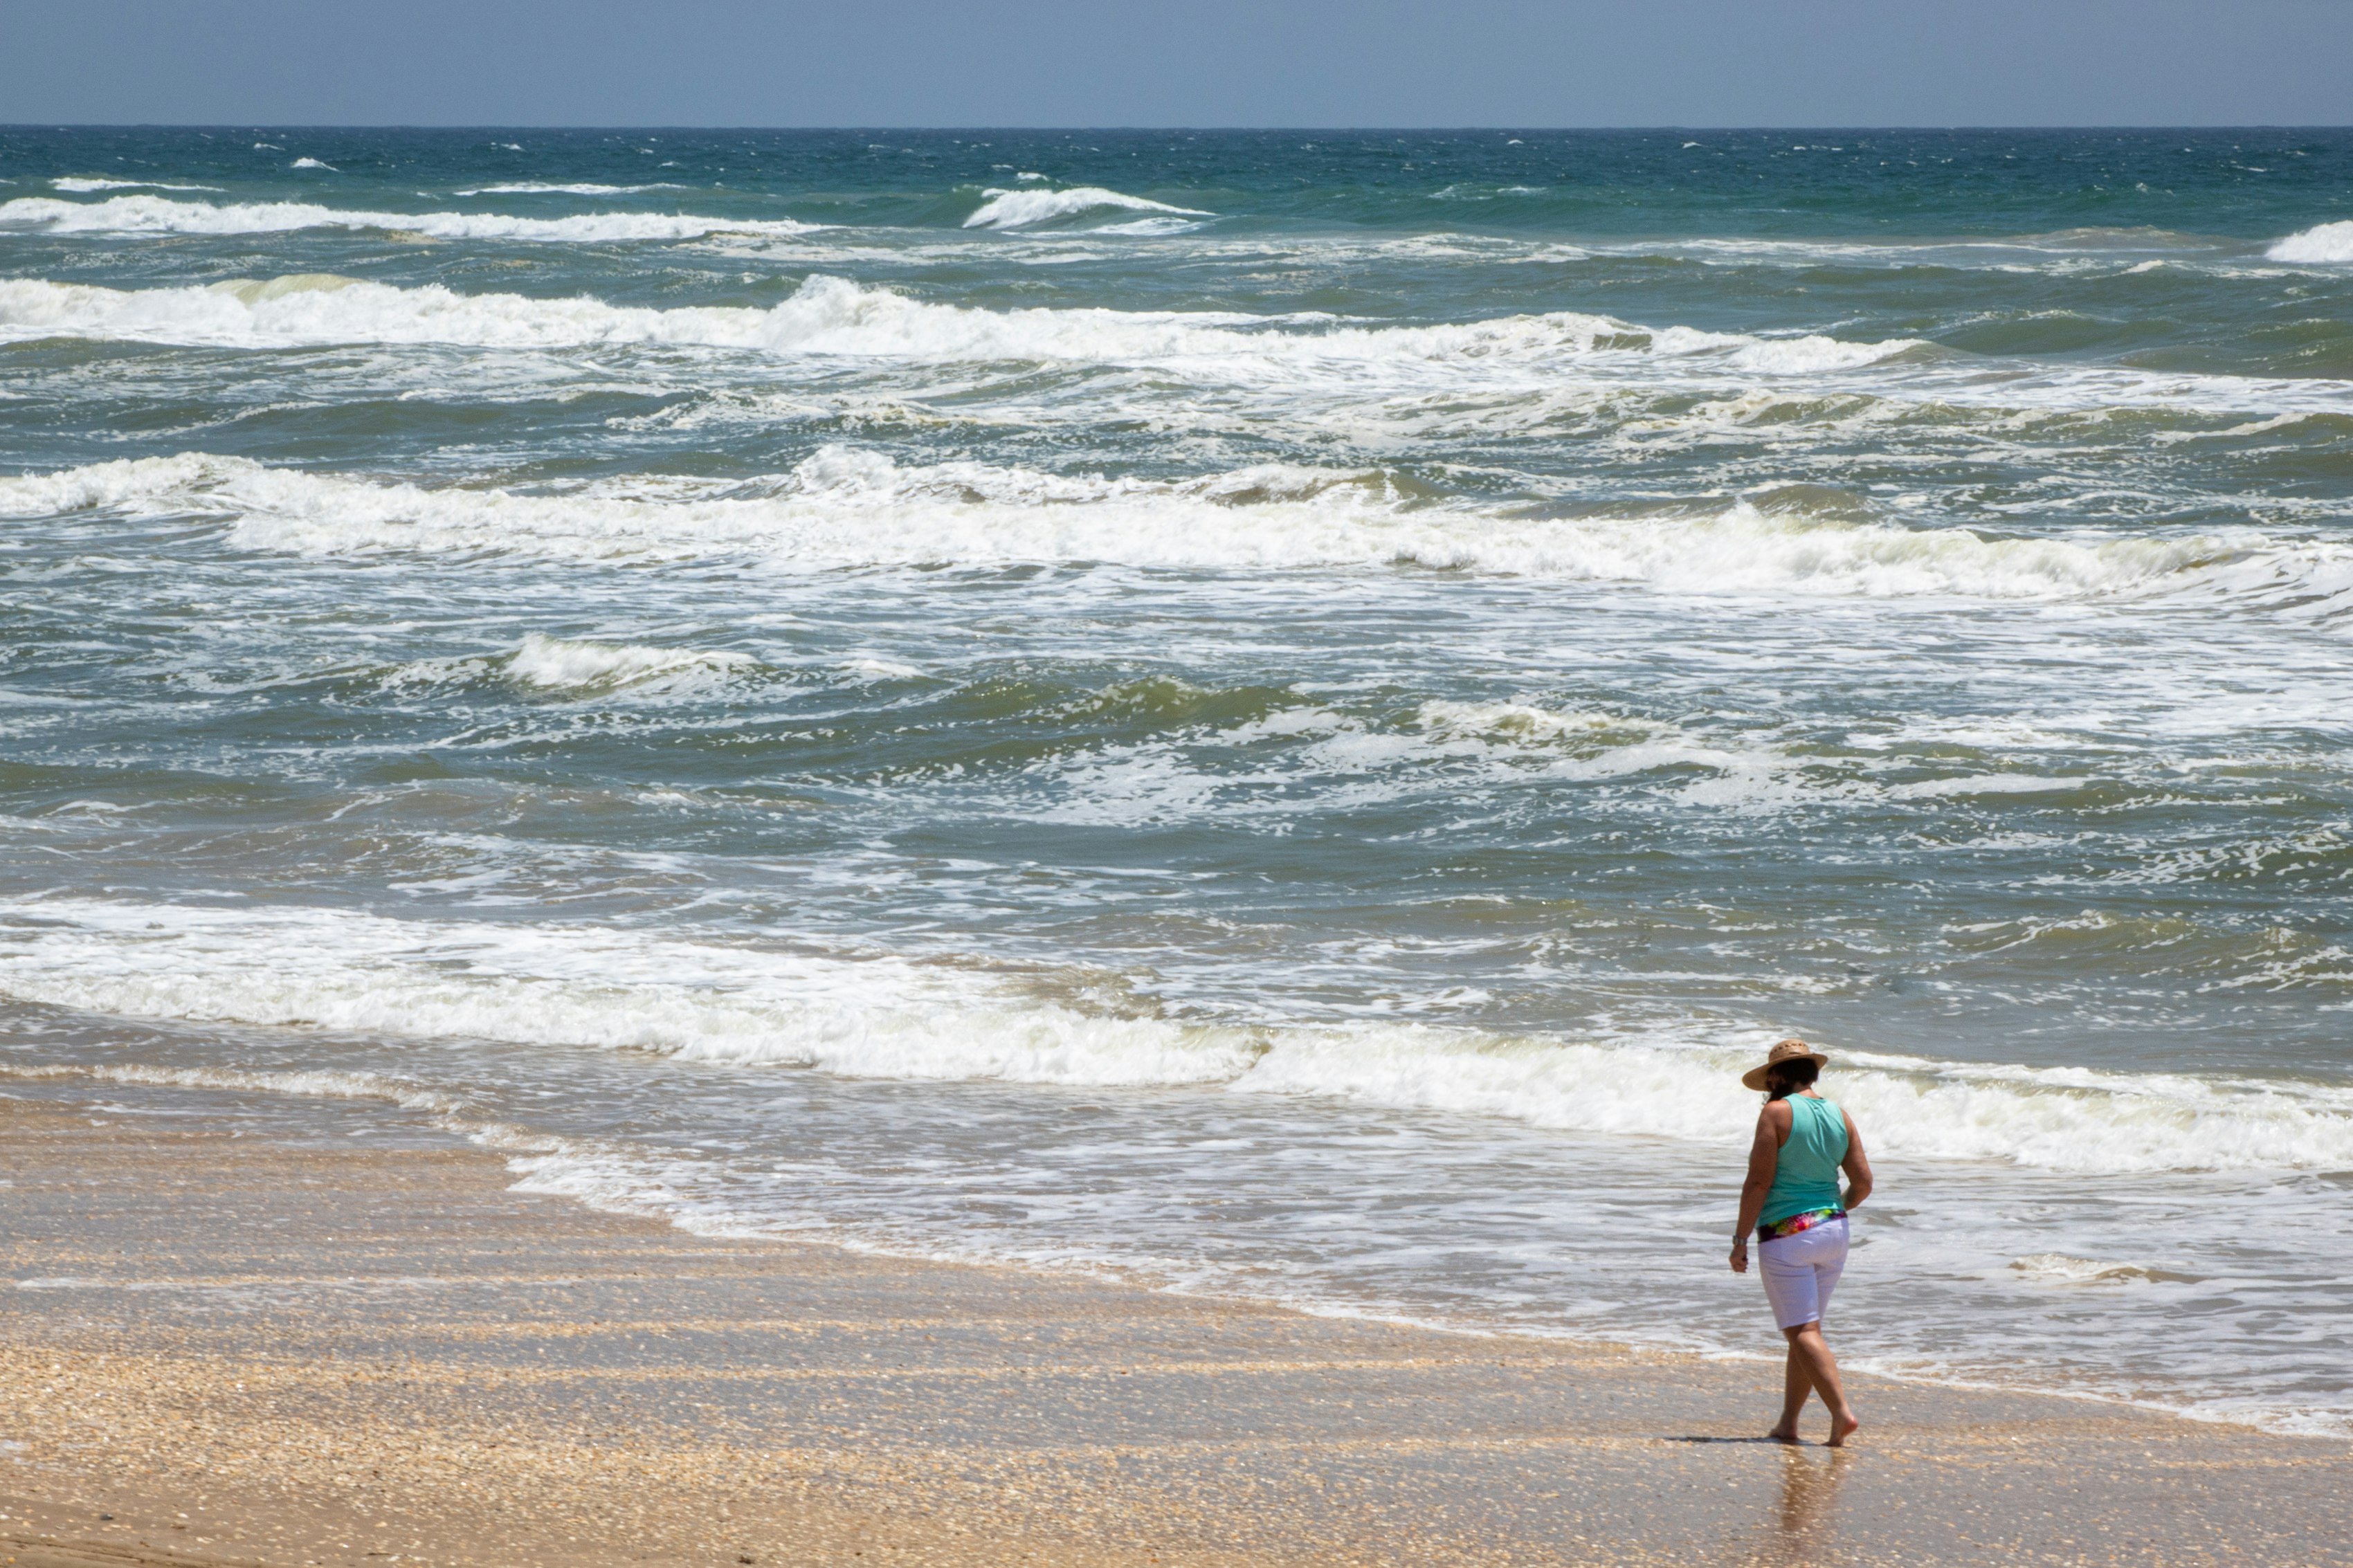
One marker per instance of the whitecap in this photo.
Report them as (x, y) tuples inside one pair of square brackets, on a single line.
[(2325, 245), (1022, 209)]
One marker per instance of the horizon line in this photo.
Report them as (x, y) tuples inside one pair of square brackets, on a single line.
[(1965, 127)]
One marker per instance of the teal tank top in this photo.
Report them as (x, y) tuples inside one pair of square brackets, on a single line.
[(1808, 1176)]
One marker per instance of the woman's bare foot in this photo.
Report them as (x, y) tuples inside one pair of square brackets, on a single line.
[(1784, 1434), (1843, 1427)]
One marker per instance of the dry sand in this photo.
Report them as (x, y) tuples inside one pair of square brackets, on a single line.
[(222, 1350)]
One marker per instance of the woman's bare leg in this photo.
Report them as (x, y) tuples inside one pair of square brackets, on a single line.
[(1797, 1383), (1807, 1347)]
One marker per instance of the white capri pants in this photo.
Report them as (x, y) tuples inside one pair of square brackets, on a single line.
[(1800, 1271)]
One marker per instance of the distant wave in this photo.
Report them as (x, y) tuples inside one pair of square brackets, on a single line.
[(1294, 357), (82, 186), (2328, 243), (160, 214), (1024, 209), (833, 316), (1308, 366), (849, 507), (535, 187), (881, 1016)]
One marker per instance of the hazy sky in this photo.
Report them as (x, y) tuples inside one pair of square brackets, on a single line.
[(1181, 62)]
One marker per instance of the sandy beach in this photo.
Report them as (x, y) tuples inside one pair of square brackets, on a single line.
[(218, 1350)]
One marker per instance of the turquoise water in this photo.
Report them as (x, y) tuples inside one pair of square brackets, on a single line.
[(1274, 713)]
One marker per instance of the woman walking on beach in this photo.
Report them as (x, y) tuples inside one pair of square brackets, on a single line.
[(1791, 1200)]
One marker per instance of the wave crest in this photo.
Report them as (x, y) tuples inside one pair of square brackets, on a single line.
[(1029, 209), (562, 664)]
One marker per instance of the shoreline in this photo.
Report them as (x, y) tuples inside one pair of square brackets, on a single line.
[(300, 1352), (521, 1150)]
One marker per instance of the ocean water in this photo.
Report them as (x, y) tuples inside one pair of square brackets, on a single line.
[(1269, 714)]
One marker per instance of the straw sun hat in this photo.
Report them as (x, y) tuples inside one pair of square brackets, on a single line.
[(1786, 1051)]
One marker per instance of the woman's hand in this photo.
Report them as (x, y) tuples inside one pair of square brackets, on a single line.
[(1740, 1256)]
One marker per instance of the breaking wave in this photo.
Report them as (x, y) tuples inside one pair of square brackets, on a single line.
[(847, 506), (160, 214), (2326, 244), (884, 1016), (580, 669), (1026, 209), (828, 315), (562, 664)]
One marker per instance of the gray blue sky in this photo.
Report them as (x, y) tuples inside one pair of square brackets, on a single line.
[(1181, 62)]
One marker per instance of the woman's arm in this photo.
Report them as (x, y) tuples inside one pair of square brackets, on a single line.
[(1764, 1159), (1856, 1166)]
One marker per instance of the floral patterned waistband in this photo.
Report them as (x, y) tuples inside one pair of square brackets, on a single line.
[(1790, 1225)]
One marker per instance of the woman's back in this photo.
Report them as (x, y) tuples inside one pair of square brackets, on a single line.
[(1806, 1177)]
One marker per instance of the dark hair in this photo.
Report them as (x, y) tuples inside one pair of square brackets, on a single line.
[(1783, 1080)]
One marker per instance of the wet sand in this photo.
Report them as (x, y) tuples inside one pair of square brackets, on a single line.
[(219, 1349)]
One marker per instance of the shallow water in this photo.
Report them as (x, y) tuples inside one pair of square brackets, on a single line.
[(1269, 712)]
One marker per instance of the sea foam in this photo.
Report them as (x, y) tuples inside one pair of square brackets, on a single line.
[(846, 506), (883, 1016)]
